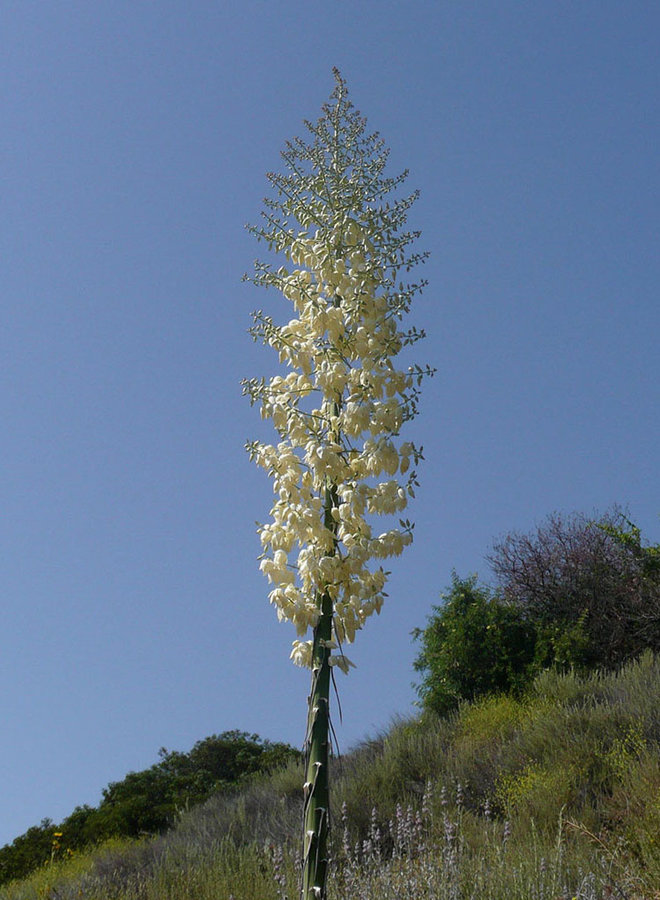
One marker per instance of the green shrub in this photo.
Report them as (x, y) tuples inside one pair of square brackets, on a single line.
[(474, 644)]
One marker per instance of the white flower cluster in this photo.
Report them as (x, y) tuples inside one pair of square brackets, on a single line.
[(338, 413)]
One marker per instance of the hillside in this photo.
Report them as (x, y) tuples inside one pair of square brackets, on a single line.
[(555, 795), (147, 802)]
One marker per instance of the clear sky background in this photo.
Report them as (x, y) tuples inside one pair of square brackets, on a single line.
[(134, 140)]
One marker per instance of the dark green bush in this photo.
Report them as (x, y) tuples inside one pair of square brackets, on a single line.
[(27, 851), (474, 644)]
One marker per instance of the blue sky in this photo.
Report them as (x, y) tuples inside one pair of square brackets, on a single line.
[(135, 140)]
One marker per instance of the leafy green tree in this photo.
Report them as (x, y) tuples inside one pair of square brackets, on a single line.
[(141, 803), (78, 828), (563, 645), (236, 754), (27, 851), (219, 761), (473, 644), (148, 801), (339, 410)]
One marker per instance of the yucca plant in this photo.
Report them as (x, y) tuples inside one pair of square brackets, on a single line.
[(338, 411)]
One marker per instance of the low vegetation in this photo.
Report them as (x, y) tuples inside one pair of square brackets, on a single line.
[(554, 794), (533, 772)]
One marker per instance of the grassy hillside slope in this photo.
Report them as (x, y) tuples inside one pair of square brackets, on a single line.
[(553, 796)]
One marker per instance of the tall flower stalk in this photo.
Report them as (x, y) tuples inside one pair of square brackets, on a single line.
[(338, 410)]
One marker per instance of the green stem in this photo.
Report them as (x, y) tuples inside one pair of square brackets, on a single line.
[(317, 747), (316, 807), (317, 794)]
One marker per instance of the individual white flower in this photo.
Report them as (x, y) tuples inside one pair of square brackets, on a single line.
[(342, 662), (302, 654)]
